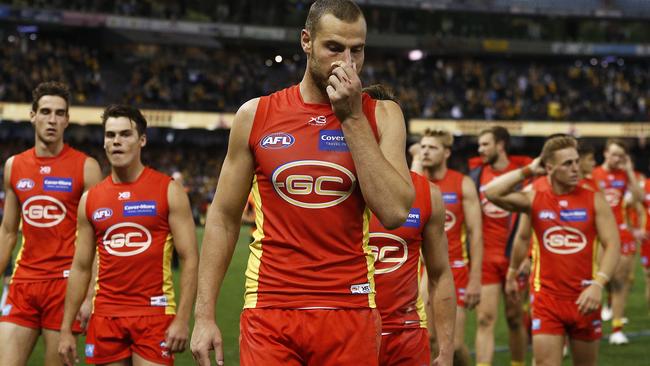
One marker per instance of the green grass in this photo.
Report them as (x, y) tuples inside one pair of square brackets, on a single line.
[(231, 301)]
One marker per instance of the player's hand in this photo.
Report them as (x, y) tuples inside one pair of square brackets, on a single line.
[(589, 299), (177, 335), (626, 164), (443, 359), (511, 286), (84, 313), (344, 91), (639, 234), (206, 337), (414, 150), (524, 268), (68, 348), (537, 167), (473, 293)]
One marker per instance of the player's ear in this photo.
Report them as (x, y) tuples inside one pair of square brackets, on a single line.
[(143, 140), (305, 41)]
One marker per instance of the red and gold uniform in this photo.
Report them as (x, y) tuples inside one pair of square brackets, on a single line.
[(134, 301), (614, 184), (565, 255), (451, 187), (645, 245), (48, 191), (397, 261), (310, 250)]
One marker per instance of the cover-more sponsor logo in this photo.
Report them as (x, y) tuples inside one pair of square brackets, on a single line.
[(313, 183), (139, 208), (277, 140), (57, 184), (413, 219), (450, 220), (574, 215), (449, 198), (102, 214), (332, 140), (43, 211), (564, 240), (126, 239), (390, 252), (25, 184)]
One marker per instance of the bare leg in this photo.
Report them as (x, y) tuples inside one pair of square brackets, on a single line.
[(16, 344)]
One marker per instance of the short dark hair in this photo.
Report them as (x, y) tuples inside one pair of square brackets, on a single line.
[(125, 110), (500, 134), (50, 88), (381, 92), (344, 10), (557, 143), (585, 149), (619, 142)]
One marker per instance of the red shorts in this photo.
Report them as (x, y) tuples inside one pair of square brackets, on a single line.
[(552, 315), (494, 270), (37, 305), (461, 278), (408, 347), (645, 254), (315, 337), (628, 243), (111, 339)]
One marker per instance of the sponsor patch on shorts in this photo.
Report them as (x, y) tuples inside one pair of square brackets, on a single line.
[(332, 140), (159, 301), (413, 220), (139, 208), (6, 310), (57, 184), (537, 324), (363, 288), (90, 350)]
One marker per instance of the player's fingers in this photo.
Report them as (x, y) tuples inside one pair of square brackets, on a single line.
[(331, 92), (340, 73), (201, 356), (218, 352), (334, 81)]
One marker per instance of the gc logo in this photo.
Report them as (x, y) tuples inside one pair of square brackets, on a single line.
[(387, 257), (612, 196), (126, 239), (43, 211), (450, 220), (326, 185), (564, 240), (492, 210)]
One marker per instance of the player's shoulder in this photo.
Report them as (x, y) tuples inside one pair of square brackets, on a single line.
[(387, 108)]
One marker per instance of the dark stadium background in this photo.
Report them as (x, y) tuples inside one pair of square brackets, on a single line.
[(538, 67)]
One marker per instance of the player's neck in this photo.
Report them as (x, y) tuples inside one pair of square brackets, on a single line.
[(45, 150), (501, 163), (436, 172), (311, 93), (561, 189), (127, 174)]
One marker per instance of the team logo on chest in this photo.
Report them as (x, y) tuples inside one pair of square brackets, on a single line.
[(391, 254), (313, 183), (43, 211), (102, 214), (277, 140), (126, 239), (564, 240), (450, 220)]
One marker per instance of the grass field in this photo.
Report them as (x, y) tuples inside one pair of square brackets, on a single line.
[(231, 300)]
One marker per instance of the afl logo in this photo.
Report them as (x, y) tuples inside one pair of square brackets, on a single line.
[(277, 140), (43, 211), (391, 253), (126, 239), (564, 240), (325, 185), (492, 210), (25, 184), (450, 220), (102, 214)]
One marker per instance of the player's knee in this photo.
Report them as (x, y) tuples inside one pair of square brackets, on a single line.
[(514, 321), (615, 285), (486, 320)]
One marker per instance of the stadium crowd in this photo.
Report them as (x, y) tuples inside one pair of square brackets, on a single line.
[(220, 80)]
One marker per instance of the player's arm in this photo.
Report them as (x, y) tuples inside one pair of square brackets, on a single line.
[(436, 259), (632, 182), (501, 190), (416, 159), (381, 168), (181, 224), (473, 225), (590, 297), (78, 281), (10, 220), (92, 173), (520, 249), (221, 233)]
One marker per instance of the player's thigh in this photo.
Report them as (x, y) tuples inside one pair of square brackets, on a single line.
[(16, 343), (488, 307), (51, 340), (584, 353), (138, 360), (126, 362), (547, 349)]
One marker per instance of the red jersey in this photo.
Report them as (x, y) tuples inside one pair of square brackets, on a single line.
[(614, 184), (541, 184), (646, 204), (48, 190), (497, 222), (565, 253), (397, 262), (134, 246), (451, 186), (310, 248)]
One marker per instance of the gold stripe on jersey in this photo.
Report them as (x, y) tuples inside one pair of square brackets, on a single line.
[(594, 258), (537, 283), (419, 303), (463, 243), (370, 259), (20, 254), (97, 260), (168, 282), (255, 256)]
